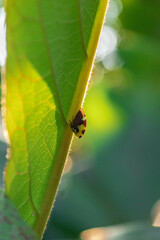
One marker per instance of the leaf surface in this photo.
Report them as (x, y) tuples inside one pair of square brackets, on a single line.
[(51, 47), (12, 225)]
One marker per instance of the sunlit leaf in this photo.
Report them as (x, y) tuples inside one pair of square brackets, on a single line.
[(51, 47)]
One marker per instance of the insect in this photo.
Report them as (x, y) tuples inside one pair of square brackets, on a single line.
[(78, 125)]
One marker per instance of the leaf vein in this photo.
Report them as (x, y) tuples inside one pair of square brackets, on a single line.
[(59, 109)]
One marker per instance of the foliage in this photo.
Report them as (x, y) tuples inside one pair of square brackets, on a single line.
[(11, 224), (50, 52), (112, 175)]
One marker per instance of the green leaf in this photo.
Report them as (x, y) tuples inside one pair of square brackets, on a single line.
[(129, 231), (11, 224), (51, 47)]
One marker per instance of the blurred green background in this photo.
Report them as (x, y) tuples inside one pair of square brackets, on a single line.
[(112, 175)]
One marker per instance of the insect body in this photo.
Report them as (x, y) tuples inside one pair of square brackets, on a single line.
[(78, 125)]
